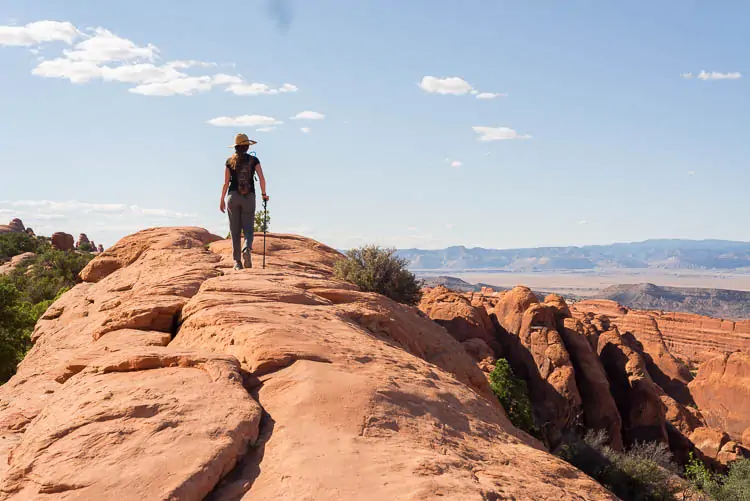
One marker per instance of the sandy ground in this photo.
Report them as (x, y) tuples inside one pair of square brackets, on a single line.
[(589, 283)]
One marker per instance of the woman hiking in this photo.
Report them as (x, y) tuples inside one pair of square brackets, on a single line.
[(239, 190)]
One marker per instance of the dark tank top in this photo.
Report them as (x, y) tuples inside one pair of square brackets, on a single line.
[(232, 174)]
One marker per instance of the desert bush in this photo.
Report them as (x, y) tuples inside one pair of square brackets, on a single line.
[(733, 486), (25, 294), (513, 395), (259, 220), (15, 243), (375, 269), (646, 472)]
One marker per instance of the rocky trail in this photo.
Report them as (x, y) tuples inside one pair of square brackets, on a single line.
[(167, 376)]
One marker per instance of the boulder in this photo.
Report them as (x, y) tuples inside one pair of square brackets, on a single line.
[(16, 261), (459, 317), (281, 383), (722, 391), (62, 241), (30, 232), (709, 441), (100, 248)]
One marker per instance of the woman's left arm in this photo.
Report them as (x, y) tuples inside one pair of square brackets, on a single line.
[(262, 180)]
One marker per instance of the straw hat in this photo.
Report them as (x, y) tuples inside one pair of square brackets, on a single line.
[(242, 140)]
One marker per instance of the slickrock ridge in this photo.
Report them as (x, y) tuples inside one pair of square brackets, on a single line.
[(166, 375)]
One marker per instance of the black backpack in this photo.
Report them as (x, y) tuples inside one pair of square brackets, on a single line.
[(245, 173)]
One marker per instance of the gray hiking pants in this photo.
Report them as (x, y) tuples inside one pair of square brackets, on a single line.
[(241, 210)]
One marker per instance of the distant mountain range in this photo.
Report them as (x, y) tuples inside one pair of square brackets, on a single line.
[(665, 254)]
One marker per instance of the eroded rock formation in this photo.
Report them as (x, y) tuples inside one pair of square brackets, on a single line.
[(165, 375), (63, 241)]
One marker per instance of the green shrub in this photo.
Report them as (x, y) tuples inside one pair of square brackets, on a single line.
[(375, 269), (734, 486), (26, 293), (15, 243), (513, 395), (646, 472), (259, 221), (86, 247)]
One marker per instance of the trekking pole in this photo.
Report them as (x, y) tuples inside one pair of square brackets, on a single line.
[(265, 230)]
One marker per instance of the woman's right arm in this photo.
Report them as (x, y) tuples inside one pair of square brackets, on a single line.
[(222, 204)]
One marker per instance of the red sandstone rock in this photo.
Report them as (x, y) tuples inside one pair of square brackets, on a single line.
[(363, 398), (692, 338), (537, 353), (456, 313), (63, 241), (636, 394), (722, 391), (746, 438), (599, 408), (14, 226)]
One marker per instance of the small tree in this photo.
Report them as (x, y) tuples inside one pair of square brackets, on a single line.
[(375, 269), (512, 393), (260, 217)]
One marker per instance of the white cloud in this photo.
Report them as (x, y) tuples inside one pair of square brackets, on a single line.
[(38, 32), (582, 222), (183, 65), (412, 228), (102, 55), (686, 76), (691, 172), (308, 115), (457, 164), (714, 75), (305, 130), (105, 47), (265, 129), (243, 88), (490, 95), (245, 120), (181, 86), (498, 133), (452, 85), (224, 79), (456, 86)]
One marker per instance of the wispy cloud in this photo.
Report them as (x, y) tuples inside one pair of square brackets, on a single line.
[(245, 121), (455, 86), (582, 222), (305, 130), (457, 164), (99, 54), (498, 133), (712, 75), (308, 115), (691, 173)]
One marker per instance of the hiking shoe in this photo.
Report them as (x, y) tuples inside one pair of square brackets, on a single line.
[(247, 259), (237, 266)]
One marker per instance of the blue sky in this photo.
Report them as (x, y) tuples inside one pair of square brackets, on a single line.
[(541, 122)]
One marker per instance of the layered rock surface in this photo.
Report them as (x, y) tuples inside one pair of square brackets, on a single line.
[(165, 375), (692, 338)]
